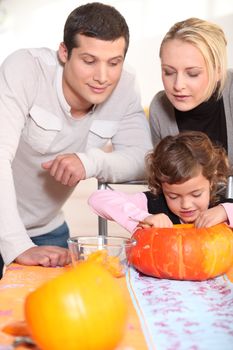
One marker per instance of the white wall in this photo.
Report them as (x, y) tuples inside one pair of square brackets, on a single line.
[(35, 23)]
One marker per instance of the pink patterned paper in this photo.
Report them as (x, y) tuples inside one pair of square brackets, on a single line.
[(184, 315)]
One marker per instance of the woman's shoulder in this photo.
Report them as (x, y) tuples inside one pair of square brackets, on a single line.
[(161, 102), (161, 108), (229, 80), (159, 98), (228, 92)]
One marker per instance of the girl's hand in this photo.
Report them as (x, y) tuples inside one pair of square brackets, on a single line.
[(211, 217), (157, 220)]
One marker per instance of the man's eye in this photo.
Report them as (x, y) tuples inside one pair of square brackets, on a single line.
[(114, 63), (89, 61)]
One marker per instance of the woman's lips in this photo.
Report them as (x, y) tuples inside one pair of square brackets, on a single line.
[(181, 97)]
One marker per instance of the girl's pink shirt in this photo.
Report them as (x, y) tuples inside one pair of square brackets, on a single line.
[(124, 208), (128, 209), (229, 210)]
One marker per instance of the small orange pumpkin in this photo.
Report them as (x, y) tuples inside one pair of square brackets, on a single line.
[(84, 308), (183, 252)]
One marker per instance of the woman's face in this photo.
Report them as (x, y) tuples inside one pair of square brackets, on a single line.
[(184, 74)]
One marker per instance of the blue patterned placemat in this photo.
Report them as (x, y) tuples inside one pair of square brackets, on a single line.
[(183, 315)]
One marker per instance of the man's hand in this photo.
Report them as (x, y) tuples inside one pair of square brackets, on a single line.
[(66, 168), (211, 217), (48, 256)]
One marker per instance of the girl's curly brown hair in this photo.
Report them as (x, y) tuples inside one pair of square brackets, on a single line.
[(178, 158)]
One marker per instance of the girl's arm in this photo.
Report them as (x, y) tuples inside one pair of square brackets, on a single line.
[(229, 211), (124, 208)]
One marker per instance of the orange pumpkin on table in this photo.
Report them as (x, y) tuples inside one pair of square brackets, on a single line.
[(84, 308), (183, 252)]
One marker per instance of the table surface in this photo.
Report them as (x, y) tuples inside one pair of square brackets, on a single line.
[(163, 314), (19, 280)]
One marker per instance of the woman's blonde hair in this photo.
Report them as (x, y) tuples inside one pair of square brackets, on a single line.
[(178, 158), (210, 40)]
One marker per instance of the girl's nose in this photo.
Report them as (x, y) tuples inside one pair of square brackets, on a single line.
[(185, 203)]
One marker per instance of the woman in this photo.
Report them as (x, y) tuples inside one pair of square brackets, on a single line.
[(198, 89)]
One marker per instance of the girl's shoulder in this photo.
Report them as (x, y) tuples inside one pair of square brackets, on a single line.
[(156, 203)]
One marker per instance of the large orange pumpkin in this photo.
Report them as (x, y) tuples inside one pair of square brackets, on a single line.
[(84, 308), (183, 252)]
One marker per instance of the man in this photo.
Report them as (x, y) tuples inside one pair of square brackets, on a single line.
[(57, 111)]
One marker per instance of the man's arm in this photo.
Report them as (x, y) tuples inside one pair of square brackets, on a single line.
[(131, 138), (13, 111)]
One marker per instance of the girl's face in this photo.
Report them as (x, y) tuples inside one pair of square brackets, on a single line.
[(184, 74), (187, 200)]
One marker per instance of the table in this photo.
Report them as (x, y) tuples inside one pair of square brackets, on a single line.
[(184, 315), (18, 280), (164, 314)]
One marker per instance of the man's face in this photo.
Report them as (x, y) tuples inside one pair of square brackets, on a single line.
[(92, 71)]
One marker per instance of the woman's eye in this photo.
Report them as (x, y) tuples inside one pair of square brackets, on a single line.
[(168, 72), (193, 75)]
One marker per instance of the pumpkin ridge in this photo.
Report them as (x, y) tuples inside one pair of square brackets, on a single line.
[(214, 257), (154, 258), (181, 256)]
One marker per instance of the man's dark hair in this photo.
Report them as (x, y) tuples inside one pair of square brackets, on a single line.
[(95, 20)]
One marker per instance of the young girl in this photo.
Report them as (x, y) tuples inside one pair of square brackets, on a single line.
[(187, 175)]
